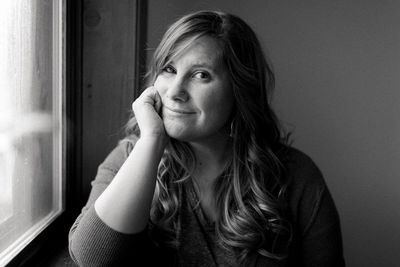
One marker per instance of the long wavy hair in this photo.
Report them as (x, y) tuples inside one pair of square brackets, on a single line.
[(250, 196)]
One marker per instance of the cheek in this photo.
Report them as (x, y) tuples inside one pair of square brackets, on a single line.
[(223, 100), (157, 82), (220, 107), (226, 106), (160, 86)]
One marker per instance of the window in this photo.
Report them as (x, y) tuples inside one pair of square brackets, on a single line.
[(32, 151)]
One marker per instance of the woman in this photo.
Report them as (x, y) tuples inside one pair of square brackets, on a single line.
[(205, 176)]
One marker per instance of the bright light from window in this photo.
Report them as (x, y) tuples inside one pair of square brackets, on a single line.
[(31, 94), (6, 114)]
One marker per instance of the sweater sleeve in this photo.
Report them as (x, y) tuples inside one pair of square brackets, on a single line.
[(317, 224), (322, 240), (91, 241)]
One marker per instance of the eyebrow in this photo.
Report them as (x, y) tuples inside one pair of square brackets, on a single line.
[(204, 65), (200, 65)]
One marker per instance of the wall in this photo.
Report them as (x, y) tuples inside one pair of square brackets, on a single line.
[(108, 79), (337, 65)]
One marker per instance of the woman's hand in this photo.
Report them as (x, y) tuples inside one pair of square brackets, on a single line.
[(147, 108)]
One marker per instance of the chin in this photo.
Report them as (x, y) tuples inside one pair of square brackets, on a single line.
[(181, 132)]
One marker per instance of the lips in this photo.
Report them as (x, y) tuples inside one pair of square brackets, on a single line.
[(179, 111)]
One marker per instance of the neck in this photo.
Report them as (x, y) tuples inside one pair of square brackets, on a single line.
[(212, 156)]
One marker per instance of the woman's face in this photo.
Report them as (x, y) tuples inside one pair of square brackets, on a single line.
[(195, 92)]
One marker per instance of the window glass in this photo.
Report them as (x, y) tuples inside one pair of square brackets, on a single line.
[(31, 183)]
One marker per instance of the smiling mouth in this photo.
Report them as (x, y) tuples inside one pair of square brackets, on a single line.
[(179, 111)]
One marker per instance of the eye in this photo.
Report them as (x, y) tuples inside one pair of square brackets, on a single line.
[(202, 75), (169, 69)]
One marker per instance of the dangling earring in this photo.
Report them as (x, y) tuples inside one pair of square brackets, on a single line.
[(232, 128)]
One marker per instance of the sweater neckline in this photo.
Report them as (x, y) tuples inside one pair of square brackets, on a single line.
[(194, 202)]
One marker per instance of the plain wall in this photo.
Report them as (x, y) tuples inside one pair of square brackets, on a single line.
[(337, 65)]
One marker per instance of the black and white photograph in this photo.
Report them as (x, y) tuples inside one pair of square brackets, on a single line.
[(202, 133)]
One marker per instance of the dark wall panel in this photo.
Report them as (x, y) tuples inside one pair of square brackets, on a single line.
[(109, 70)]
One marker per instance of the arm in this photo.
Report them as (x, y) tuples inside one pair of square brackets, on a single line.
[(113, 228), (321, 240), (125, 204)]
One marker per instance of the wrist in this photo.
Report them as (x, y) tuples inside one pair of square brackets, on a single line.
[(160, 140)]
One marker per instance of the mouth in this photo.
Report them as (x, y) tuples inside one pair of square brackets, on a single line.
[(179, 111)]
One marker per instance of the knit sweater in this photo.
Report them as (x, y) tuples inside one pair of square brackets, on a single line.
[(316, 236)]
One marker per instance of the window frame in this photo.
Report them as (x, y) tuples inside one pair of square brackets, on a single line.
[(43, 242), (50, 247)]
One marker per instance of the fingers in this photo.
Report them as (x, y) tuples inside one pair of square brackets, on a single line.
[(149, 96), (146, 109)]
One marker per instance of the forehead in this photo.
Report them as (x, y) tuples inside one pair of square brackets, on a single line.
[(204, 51)]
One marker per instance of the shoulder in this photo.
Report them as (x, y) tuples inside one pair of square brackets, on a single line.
[(305, 182), (300, 169), (110, 167), (118, 155), (128, 143), (307, 194)]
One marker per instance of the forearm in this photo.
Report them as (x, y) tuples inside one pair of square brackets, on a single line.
[(125, 204)]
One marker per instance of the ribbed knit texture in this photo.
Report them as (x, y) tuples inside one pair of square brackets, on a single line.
[(98, 248)]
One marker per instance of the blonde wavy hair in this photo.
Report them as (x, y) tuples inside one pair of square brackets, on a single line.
[(250, 195)]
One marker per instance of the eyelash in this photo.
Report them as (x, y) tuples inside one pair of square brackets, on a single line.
[(171, 70), (203, 73)]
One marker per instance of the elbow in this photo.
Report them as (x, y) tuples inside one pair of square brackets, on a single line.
[(76, 252)]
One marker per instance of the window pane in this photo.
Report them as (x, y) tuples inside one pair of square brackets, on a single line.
[(30, 121)]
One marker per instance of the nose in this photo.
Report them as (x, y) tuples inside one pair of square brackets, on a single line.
[(177, 90)]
